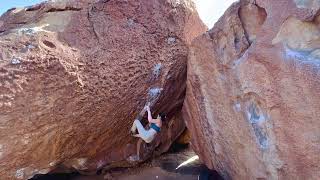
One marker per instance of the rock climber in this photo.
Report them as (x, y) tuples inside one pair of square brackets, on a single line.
[(154, 126)]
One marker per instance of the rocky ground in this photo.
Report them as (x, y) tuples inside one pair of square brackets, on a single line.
[(161, 168)]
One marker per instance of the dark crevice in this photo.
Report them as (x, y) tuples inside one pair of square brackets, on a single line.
[(60, 176), (49, 44), (64, 9), (177, 147), (104, 1), (18, 23), (34, 8)]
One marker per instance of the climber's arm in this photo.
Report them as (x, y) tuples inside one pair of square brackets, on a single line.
[(150, 119), (154, 121), (149, 115)]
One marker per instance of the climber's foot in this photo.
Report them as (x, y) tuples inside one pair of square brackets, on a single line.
[(134, 158)]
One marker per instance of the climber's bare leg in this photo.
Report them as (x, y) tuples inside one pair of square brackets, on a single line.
[(143, 133), (139, 118), (133, 128), (138, 147)]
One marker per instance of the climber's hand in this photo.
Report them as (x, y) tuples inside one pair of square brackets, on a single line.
[(147, 108)]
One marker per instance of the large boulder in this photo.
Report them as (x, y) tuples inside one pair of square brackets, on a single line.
[(74, 74), (253, 91)]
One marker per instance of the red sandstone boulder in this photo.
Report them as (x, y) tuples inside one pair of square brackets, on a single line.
[(253, 91), (74, 75)]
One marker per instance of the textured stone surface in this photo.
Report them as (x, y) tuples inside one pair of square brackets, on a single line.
[(252, 102), (74, 74)]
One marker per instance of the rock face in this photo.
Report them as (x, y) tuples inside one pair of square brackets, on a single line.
[(74, 74), (252, 102)]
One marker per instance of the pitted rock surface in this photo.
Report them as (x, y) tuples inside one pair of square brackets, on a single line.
[(74, 74)]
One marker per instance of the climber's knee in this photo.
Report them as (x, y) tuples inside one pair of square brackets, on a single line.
[(148, 140)]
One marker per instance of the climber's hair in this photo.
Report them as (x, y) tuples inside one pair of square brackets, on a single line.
[(162, 116)]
